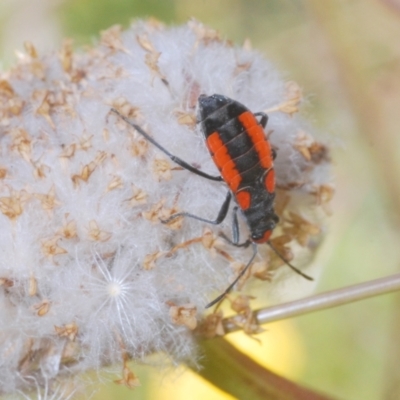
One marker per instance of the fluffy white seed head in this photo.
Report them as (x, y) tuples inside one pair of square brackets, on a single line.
[(88, 273)]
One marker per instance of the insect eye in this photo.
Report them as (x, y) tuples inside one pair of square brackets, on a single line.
[(262, 237)]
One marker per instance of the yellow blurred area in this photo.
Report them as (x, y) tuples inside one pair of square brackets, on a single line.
[(279, 348)]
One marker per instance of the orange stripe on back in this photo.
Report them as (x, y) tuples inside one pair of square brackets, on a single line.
[(223, 161), (269, 181), (231, 175), (248, 120), (221, 157), (257, 136), (214, 142), (256, 133), (263, 149), (244, 199), (267, 160)]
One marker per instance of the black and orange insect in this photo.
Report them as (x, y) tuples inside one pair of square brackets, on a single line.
[(244, 156)]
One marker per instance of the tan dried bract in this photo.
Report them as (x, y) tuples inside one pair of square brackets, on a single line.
[(149, 261), (6, 282), (241, 304), (85, 142), (116, 183), (88, 169), (49, 200), (154, 24), (153, 214), (214, 244), (250, 325), (247, 45), (68, 230), (242, 68), (311, 150), (50, 247), (6, 89), (66, 55), (145, 43), (303, 143), (26, 355), (245, 318), (282, 200), (42, 308), (166, 213), (162, 169), (138, 197), (192, 94), (125, 108), (12, 207), (319, 153), (32, 286), (22, 143), (184, 315), (301, 228), (151, 57), (212, 326), (31, 60), (10, 102), (139, 147), (204, 34), (208, 238), (111, 38), (186, 118), (324, 194), (129, 379), (151, 60), (30, 49), (106, 134), (40, 170), (68, 151), (71, 352), (293, 96), (294, 92), (159, 213), (260, 270), (96, 234), (44, 107), (68, 330)]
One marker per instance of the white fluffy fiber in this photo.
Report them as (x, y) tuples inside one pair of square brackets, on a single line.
[(73, 250)]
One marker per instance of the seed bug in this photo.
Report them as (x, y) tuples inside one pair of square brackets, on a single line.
[(239, 148)]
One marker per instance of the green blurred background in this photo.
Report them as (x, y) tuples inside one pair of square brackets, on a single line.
[(346, 56)]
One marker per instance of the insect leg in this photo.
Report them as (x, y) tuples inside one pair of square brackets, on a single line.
[(264, 118), (220, 217), (175, 159), (235, 233), (230, 287), (235, 227), (288, 263)]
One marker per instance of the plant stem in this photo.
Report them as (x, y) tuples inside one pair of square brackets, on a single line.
[(320, 301), (239, 375)]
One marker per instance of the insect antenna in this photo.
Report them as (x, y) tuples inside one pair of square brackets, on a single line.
[(230, 287), (288, 263)]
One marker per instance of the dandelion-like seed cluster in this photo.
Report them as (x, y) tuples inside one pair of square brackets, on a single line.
[(89, 276)]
